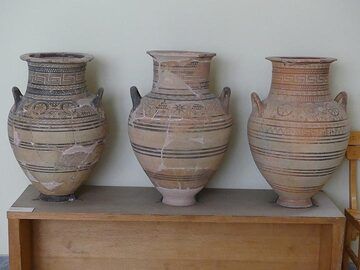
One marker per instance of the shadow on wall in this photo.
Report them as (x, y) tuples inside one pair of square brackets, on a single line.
[(113, 135)]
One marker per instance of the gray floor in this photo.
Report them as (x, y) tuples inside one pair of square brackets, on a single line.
[(4, 263)]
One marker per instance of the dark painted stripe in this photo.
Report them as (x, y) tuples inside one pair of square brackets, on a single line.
[(55, 170), (183, 124), (181, 118), (172, 156), (52, 172), (298, 155), (297, 172), (169, 93), (46, 70), (297, 142), (57, 93), (61, 144), (57, 87), (171, 153), (95, 115), (58, 130), (172, 176), (37, 90), (300, 127), (188, 178), (57, 127), (296, 158), (298, 175), (53, 85), (311, 189), (178, 151), (298, 137), (197, 99), (176, 130), (80, 123), (50, 147), (302, 153), (300, 122), (176, 178)]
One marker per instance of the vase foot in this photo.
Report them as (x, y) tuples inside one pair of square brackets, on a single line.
[(178, 197), (291, 203), (57, 198)]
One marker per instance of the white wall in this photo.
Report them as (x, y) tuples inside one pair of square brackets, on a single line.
[(117, 33)]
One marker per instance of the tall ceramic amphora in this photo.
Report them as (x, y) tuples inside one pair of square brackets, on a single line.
[(57, 128), (180, 130), (298, 135)]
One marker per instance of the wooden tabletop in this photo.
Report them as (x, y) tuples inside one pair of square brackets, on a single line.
[(133, 203)]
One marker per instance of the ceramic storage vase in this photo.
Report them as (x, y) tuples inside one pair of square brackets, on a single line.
[(180, 130), (298, 135), (57, 129)]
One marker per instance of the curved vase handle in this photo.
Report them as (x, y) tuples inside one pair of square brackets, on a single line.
[(257, 104), (97, 99), (17, 97), (341, 98), (135, 97), (225, 98)]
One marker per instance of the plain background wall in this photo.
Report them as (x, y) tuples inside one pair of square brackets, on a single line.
[(117, 33)]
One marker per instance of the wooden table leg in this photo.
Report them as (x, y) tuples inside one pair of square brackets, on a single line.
[(338, 230), (20, 244), (347, 242)]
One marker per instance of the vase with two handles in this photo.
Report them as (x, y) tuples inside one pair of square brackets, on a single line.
[(298, 135)]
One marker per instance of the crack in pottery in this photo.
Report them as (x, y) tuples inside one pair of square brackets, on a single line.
[(57, 129), (180, 130)]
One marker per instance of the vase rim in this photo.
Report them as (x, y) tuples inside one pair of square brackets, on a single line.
[(301, 59), (180, 54), (57, 57)]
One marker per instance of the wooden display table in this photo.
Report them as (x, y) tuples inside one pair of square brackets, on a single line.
[(129, 228)]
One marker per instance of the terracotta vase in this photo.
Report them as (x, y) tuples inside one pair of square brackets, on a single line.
[(298, 135), (180, 130), (57, 129)]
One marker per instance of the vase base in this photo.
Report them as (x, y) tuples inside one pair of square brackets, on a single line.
[(57, 198), (291, 203), (178, 197)]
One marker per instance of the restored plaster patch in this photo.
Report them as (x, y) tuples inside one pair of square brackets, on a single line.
[(17, 140), (51, 185), (84, 102), (79, 149), (198, 140), (31, 177)]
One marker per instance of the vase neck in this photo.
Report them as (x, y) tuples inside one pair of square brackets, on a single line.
[(181, 76), (56, 80), (300, 82)]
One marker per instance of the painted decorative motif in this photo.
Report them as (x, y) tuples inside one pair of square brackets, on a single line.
[(57, 129), (180, 130), (298, 135)]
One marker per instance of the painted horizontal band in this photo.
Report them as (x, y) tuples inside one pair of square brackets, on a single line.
[(303, 156), (172, 177), (179, 154), (46, 147), (210, 129)]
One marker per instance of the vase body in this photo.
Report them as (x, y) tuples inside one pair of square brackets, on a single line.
[(298, 135), (180, 130), (57, 129)]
